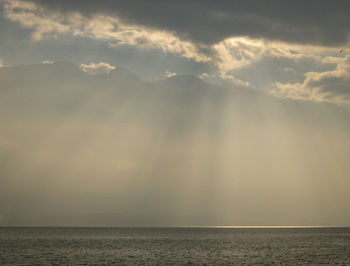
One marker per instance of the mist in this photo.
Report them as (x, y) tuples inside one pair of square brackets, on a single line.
[(111, 149)]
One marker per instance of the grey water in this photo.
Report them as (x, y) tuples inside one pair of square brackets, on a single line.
[(173, 246)]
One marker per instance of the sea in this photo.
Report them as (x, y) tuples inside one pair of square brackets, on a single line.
[(174, 246)]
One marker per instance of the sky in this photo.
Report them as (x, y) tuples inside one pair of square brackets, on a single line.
[(290, 49), (245, 120)]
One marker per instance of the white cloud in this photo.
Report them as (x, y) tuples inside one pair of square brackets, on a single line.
[(147, 38), (47, 62), (238, 52), (170, 74), (97, 69), (328, 86), (234, 80), (46, 24), (203, 76), (31, 16)]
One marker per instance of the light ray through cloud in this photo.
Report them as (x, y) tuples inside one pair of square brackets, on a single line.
[(240, 125)]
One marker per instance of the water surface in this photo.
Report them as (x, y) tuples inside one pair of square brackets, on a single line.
[(122, 245)]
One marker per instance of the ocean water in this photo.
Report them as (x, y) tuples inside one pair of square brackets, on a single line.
[(174, 246)]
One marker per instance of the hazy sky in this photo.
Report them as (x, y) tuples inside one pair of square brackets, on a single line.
[(229, 112)]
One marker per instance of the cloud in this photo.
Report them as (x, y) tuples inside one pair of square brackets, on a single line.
[(48, 62), (97, 69), (235, 51), (170, 74), (26, 13), (203, 75), (46, 23), (241, 52), (225, 37), (328, 86), (234, 80), (238, 52), (317, 22)]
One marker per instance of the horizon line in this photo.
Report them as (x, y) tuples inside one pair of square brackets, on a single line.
[(184, 226)]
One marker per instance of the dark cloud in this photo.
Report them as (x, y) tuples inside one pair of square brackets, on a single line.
[(314, 22)]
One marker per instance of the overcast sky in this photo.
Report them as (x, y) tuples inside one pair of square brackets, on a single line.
[(259, 134)]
